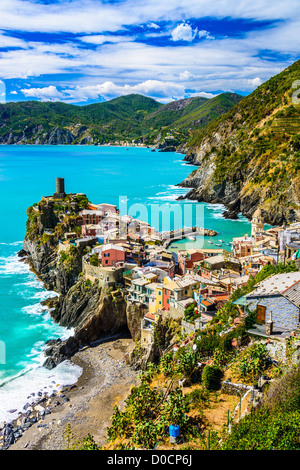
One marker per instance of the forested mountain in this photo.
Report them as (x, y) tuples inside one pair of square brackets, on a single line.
[(127, 118), (250, 156)]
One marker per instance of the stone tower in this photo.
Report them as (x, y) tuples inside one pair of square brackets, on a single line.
[(257, 223), (60, 188)]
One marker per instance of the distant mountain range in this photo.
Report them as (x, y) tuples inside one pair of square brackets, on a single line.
[(249, 158), (125, 119)]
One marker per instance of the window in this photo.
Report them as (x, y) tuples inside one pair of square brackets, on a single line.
[(106, 255), (159, 302), (106, 261)]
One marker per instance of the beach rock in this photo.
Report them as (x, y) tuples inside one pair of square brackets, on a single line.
[(22, 253), (60, 351)]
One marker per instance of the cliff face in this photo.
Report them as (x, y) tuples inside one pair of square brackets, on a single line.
[(95, 312), (45, 262), (91, 310), (249, 158)]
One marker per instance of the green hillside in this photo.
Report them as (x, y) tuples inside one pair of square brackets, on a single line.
[(183, 118), (253, 153), (127, 118), (102, 122)]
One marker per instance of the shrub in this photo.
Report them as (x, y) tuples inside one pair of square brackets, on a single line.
[(284, 394), (208, 343), (197, 399), (167, 364), (262, 430), (211, 377), (252, 362), (94, 260), (187, 364)]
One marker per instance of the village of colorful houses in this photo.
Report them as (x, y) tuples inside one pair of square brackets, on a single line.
[(129, 253)]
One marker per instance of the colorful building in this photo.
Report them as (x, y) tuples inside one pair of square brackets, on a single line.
[(112, 255)]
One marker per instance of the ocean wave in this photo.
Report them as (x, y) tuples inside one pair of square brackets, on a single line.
[(170, 194), (35, 309), (44, 295), (12, 243), (12, 264), (164, 198), (25, 386)]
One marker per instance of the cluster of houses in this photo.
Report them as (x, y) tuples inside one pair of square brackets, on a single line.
[(130, 253)]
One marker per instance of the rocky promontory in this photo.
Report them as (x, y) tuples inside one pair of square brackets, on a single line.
[(93, 310)]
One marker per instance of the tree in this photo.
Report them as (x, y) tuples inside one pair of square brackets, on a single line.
[(252, 361), (187, 363), (211, 377)]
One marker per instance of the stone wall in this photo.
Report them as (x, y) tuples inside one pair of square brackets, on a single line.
[(188, 328), (234, 389), (102, 274)]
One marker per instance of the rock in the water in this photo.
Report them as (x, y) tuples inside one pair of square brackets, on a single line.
[(60, 351)]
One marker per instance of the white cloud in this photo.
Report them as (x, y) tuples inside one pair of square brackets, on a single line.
[(205, 34), (183, 32), (153, 25), (154, 88), (126, 64), (255, 82), (9, 41), (186, 75), (14, 92), (94, 16), (203, 94), (162, 91), (102, 38), (49, 93), (2, 92)]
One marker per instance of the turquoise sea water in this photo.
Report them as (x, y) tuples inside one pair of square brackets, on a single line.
[(147, 180)]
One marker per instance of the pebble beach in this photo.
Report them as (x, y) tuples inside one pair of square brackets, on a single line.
[(85, 407)]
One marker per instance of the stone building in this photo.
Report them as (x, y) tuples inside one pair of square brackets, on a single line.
[(277, 302)]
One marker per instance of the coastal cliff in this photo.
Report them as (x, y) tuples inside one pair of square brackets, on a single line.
[(249, 158), (93, 310)]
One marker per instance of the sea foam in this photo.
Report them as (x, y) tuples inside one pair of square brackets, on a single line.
[(25, 388)]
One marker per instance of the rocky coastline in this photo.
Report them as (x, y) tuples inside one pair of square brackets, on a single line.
[(231, 192), (102, 321), (85, 406)]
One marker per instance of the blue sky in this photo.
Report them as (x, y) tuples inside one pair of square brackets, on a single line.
[(89, 50)]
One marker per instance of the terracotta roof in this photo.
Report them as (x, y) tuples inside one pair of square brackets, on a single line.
[(150, 316)]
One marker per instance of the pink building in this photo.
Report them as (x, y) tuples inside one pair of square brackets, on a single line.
[(91, 217), (112, 254)]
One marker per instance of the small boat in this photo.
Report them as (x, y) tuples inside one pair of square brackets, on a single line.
[(191, 238), (209, 242), (222, 241), (217, 244)]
